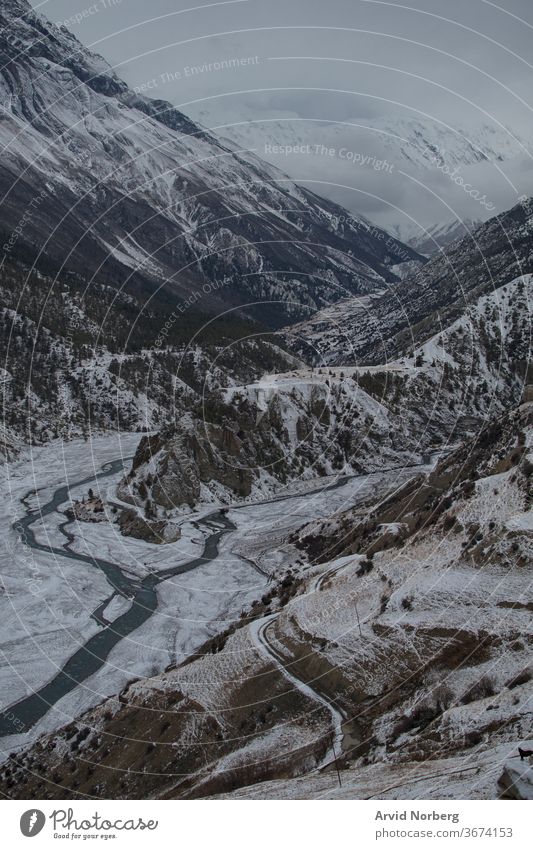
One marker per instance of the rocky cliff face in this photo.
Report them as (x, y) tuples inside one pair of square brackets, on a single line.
[(135, 193), (308, 423)]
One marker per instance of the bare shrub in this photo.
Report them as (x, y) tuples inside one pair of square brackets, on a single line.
[(481, 689)]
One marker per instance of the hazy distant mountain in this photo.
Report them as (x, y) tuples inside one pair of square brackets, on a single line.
[(437, 236), (393, 640), (405, 140), (395, 169)]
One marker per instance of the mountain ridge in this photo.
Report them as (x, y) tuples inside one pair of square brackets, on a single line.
[(247, 440), (127, 190), (385, 324)]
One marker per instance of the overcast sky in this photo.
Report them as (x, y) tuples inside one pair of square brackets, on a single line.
[(463, 62)]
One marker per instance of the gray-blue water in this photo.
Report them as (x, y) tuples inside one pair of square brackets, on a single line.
[(21, 716)]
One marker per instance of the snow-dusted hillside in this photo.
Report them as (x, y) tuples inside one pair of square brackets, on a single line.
[(377, 327), (402, 658), (433, 239), (247, 440)]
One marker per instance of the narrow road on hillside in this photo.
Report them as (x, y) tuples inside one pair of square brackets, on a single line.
[(259, 631)]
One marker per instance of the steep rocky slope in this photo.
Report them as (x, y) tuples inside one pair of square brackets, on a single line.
[(378, 327), (129, 189), (405, 661), (79, 357), (305, 423)]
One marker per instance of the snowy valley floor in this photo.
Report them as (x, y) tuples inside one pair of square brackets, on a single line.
[(48, 601), (387, 634)]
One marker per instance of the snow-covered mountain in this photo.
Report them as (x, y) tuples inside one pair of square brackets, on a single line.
[(131, 191), (421, 140), (404, 141), (346, 500), (379, 326), (404, 172)]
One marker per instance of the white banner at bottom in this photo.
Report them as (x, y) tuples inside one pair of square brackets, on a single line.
[(267, 824)]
